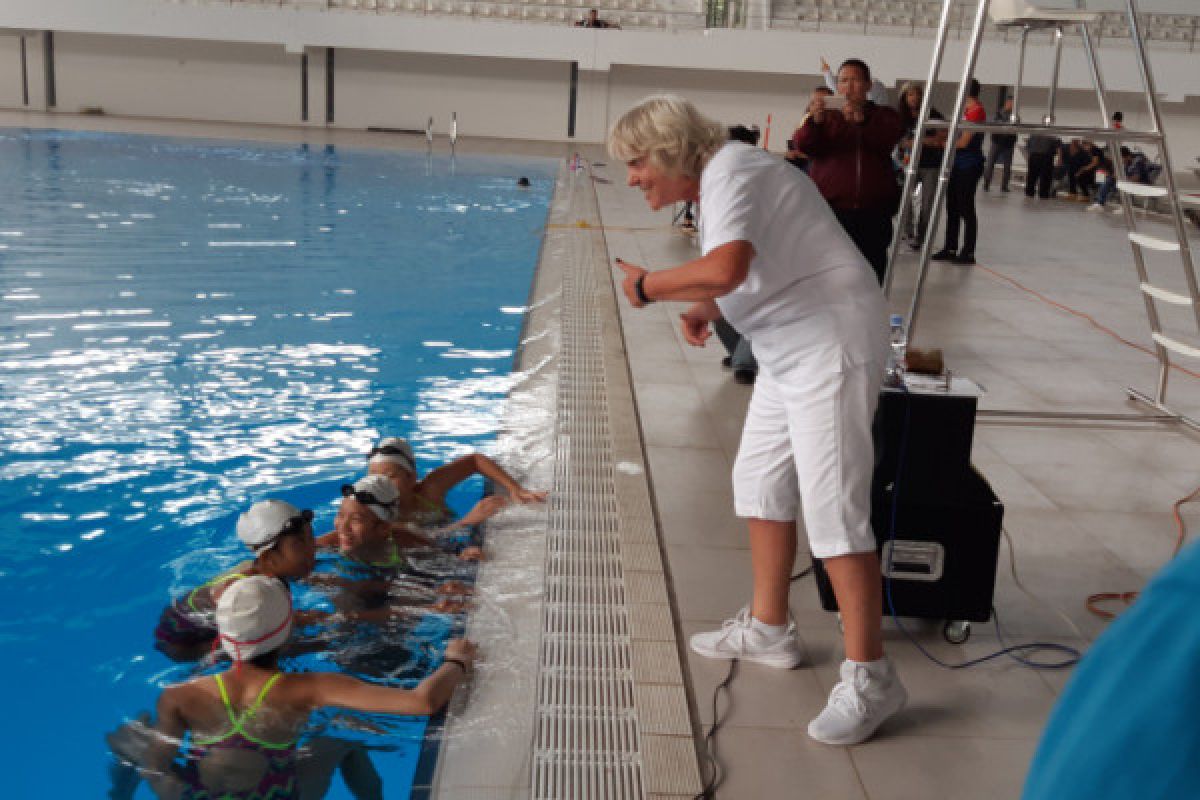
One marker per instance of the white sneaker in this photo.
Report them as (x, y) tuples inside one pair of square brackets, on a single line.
[(738, 639), (1095, 207), (866, 696)]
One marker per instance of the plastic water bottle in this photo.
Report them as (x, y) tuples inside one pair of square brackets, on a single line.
[(894, 374)]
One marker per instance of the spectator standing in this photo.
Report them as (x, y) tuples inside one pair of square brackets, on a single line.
[(850, 160), (1039, 172), (1001, 151), (877, 94), (964, 177), (933, 147)]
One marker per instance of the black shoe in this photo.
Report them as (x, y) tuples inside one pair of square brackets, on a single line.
[(945, 254), (964, 259), (915, 244), (1004, 188), (744, 376), (727, 362), (985, 187)]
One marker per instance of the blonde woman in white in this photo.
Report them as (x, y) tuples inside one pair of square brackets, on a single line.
[(779, 267)]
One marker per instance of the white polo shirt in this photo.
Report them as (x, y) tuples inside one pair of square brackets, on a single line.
[(803, 260)]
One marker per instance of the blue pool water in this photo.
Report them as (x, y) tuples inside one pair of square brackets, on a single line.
[(188, 326)]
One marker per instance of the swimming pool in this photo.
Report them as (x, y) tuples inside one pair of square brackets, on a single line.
[(189, 326)]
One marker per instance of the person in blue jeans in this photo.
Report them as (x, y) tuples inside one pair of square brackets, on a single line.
[(1126, 725), (964, 178)]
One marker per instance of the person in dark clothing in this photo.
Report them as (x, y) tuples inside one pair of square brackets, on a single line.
[(1001, 151), (850, 160), (1097, 160), (1074, 157), (964, 177), (1039, 171), (933, 147)]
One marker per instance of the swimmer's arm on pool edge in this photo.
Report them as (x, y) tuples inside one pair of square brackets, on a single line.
[(429, 696), (441, 480)]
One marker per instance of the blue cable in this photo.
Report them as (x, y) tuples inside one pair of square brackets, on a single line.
[(1021, 653)]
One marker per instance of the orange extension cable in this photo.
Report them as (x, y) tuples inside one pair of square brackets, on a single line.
[(1094, 601)]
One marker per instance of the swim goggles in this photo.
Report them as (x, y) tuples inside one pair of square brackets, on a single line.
[(294, 524), (393, 450), (366, 498)]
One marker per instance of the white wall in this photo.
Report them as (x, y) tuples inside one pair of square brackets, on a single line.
[(510, 98), (180, 78), (10, 71)]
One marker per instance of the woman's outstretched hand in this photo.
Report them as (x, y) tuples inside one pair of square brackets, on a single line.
[(632, 274)]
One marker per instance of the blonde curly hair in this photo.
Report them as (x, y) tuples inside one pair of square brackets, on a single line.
[(670, 132)]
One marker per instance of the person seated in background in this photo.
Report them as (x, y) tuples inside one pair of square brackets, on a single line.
[(1094, 174), (1090, 159), (236, 734), (794, 156), (1072, 158), (592, 20), (281, 538), (1136, 168)]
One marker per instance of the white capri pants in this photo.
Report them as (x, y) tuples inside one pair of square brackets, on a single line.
[(807, 446)]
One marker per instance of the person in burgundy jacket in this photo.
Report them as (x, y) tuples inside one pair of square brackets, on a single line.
[(850, 154)]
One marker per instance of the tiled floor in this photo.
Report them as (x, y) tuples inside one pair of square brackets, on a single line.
[(1087, 506)]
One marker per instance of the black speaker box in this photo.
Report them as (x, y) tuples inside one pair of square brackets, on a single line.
[(941, 562)]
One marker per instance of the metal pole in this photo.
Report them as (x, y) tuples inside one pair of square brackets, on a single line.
[(1185, 252), (947, 161), (914, 158), (1015, 117), (1058, 39)]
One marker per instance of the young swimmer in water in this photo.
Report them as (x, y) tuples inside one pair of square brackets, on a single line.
[(281, 538), (243, 725), (423, 500), (365, 532)]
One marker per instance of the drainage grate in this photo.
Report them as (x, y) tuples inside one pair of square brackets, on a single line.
[(586, 738)]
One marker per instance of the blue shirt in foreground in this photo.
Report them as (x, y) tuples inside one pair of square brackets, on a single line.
[(1128, 723)]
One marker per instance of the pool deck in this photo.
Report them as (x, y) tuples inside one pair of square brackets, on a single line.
[(1088, 506)]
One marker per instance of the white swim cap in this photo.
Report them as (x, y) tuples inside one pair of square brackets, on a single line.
[(376, 493), (396, 451), (265, 521), (254, 616)]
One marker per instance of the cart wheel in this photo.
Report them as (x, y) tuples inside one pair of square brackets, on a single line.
[(956, 631)]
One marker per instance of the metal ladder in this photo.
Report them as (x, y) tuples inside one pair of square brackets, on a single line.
[(1026, 18)]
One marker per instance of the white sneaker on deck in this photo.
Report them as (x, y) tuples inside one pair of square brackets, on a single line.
[(1095, 207), (738, 638), (866, 696)]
